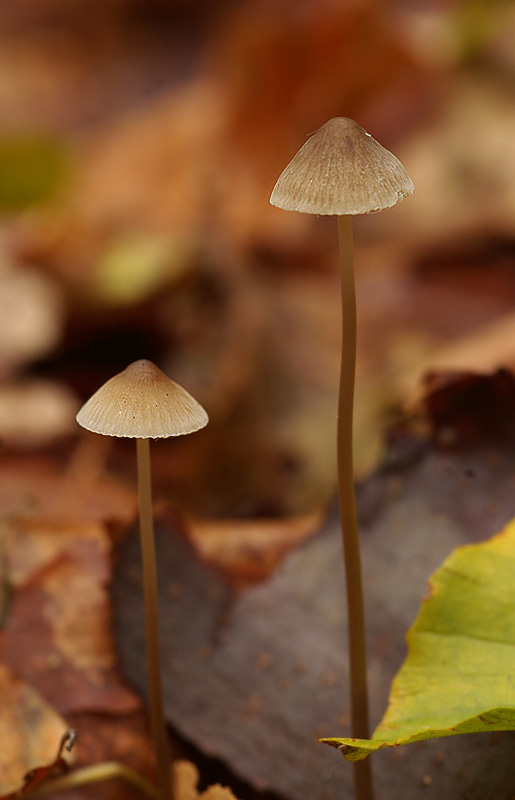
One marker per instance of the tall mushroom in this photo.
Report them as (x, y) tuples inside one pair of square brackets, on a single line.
[(341, 170), (143, 403)]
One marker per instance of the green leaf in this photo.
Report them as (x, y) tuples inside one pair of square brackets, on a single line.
[(459, 675), (33, 168), (136, 264)]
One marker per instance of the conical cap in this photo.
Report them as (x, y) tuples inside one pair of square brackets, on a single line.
[(341, 170), (142, 403)]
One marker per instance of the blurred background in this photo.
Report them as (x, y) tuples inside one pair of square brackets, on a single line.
[(139, 144)]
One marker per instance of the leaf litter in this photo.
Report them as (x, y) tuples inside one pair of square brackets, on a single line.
[(67, 86), (254, 678), (55, 637), (30, 731)]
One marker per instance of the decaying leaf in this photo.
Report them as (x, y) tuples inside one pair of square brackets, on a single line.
[(57, 625), (30, 731), (37, 486), (186, 778), (249, 550)]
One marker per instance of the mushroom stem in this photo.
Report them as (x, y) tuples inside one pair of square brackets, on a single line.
[(351, 550), (148, 554)]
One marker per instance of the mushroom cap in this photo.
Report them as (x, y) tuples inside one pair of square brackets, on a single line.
[(341, 170), (142, 403)]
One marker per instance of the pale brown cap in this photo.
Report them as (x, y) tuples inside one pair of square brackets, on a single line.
[(341, 170), (142, 403)]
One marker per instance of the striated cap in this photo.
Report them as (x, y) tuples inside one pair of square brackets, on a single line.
[(142, 403), (341, 170)]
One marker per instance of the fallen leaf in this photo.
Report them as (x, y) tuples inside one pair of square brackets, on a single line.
[(38, 486), (36, 412), (112, 738), (39, 775), (458, 162), (136, 266), (56, 632), (30, 731), (33, 169), (488, 348), (457, 677), (186, 778), (249, 550)]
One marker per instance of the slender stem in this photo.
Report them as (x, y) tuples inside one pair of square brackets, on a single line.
[(146, 524), (351, 551)]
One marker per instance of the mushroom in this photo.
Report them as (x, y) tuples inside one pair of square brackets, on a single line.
[(143, 403), (341, 170)]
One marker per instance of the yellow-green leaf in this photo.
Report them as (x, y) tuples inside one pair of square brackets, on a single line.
[(136, 264), (459, 675), (33, 169)]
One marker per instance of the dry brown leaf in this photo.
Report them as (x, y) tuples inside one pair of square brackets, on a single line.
[(35, 412), (30, 731), (115, 739), (38, 486), (203, 155), (285, 74), (249, 550), (462, 164), (157, 167), (57, 629), (186, 777), (484, 350)]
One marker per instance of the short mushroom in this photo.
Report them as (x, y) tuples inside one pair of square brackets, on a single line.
[(143, 403), (341, 170)]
